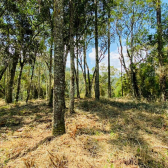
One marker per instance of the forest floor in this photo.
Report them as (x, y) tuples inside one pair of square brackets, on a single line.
[(110, 133)]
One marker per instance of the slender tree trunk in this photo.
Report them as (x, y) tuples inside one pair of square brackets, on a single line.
[(84, 71), (77, 72), (109, 82), (19, 81), (134, 83), (50, 75), (162, 77), (11, 81), (29, 88), (121, 53), (39, 85), (121, 79), (65, 60), (89, 83), (2, 71), (59, 73), (47, 88), (97, 94), (72, 88)]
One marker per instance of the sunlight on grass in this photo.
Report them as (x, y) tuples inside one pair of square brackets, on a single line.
[(109, 133)]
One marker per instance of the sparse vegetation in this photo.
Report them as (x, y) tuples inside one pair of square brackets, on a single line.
[(109, 133)]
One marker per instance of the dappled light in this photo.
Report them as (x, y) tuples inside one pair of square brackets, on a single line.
[(109, 132)]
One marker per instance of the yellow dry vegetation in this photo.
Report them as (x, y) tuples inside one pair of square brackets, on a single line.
[(110, 133)]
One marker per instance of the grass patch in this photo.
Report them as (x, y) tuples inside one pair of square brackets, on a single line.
[(106, 133)]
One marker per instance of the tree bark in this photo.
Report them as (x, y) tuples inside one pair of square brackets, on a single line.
[(109, 82), (84, 70), (39, 84), (50, 75), (2, 71), (77, 72), (11, 81), (89, 83), (29, 88), (72, 65), (97, 94), (162, 77), (19, 81), (58, 127)]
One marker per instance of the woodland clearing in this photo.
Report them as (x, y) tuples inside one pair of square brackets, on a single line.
[(110, 133)]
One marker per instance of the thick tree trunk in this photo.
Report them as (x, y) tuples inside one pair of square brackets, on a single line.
[(19, 81), (72, 65), (59, 73), (109, 82), (97, 94), (11, 81)]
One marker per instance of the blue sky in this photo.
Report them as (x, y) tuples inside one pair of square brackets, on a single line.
[(114, 55)]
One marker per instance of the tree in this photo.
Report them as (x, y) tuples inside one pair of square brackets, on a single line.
[(97, 94), (72, 64), (160, 50), (58, 102)]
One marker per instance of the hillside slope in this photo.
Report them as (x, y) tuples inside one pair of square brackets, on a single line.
[(105, 134)]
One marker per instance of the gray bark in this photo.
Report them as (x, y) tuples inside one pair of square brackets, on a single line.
[(19, 81), (29, 88), (11, 81), (59, 73), (97, 94), (109, 82)]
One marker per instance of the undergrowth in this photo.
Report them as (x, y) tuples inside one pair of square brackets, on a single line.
[(110, 133)]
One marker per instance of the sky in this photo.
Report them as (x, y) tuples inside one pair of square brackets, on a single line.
[(114, 55)]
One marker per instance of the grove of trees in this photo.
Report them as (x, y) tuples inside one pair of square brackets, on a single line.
[(37, 37)]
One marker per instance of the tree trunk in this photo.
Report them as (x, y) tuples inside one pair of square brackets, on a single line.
[(121, 79), (59, 73), (11, 81), (50, 75), (89, 83), (72, 88), (39, 85), (19, 81), (84, 70), (135, 90), (29, 88), (2, 71), (162, 77), (109, 82), (77, 72), (97, 94)]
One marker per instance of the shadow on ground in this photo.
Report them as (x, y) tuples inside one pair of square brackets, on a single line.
[(16, 115), (141, 129)]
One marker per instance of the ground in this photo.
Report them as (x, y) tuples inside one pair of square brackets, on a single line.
[(110, 133)]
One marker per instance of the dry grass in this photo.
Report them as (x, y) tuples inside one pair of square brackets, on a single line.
[(106, 134)]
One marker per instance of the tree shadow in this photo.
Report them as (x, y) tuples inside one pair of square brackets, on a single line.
[(138, 128), (13, 116)]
